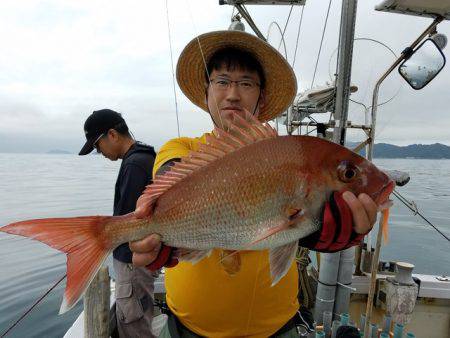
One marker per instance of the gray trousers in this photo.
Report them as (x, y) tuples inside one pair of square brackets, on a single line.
[(134, 300)]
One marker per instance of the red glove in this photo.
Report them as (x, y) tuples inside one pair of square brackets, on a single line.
[(165, 258), (337, 230)]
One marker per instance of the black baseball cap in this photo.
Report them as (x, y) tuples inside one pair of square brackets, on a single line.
[(98, 123)]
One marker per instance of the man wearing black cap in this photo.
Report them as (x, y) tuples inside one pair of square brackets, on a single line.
[(108, 133)]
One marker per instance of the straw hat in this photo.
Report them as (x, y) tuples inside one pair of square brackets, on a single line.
[(281, 84)]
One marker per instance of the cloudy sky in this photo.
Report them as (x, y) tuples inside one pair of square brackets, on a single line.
[(60, 60)]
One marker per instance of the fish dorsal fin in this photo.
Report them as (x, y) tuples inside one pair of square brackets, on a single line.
[(240, 132)]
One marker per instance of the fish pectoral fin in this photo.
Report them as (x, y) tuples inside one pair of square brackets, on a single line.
[(144, 206), (190, 255), (281, 259), (294, 216)]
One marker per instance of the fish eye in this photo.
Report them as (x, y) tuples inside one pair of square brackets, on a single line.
[(347, 172)]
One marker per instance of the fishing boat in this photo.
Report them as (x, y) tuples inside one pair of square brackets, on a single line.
[(377, 297), (353, 286)]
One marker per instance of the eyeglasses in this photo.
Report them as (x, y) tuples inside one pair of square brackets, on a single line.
[(95, 145), (222, 84)]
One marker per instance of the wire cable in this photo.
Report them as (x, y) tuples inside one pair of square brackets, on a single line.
[(204, 61), (32, 307), (274, 23), (412, 206), (284, 29), (173, 72), (298, 35), (370, 40), (321, 43)]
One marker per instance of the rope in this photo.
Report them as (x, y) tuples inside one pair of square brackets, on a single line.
[(370, 40), (321, 42), (282, 36), (298, 35), (279, 45), (173, 72), (204, 61), (326, 300), (413, 207), (305, 293), (32, 307), (282, 40), (336, 75), (284, 29), (346, 286)]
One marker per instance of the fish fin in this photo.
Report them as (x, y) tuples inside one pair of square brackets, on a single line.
[(230, 261), (281, 259), (145, 204), (80, 238), (385, 225), (269, 232), (193, 256), (241, 132), (294, 216)]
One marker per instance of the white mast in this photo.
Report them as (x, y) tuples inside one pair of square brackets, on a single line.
[(336, 269)]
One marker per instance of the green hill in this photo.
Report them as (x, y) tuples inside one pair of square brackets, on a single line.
[(425, 151)]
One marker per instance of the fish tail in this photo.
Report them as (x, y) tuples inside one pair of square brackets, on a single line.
[(384, 225), (83, 240)]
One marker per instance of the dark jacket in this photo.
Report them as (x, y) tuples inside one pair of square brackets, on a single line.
[(134, 175)]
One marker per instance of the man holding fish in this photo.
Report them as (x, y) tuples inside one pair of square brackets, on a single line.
[(230, 207), (228, 294)]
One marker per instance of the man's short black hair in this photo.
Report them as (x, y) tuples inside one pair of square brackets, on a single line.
[(235, 59), (122, 129)]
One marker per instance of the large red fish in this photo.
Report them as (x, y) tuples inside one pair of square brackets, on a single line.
[(247, 189)]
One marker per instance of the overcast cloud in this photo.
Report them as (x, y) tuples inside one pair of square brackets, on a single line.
[(61, 60)]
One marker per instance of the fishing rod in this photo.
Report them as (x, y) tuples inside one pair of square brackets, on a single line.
[(413, 207), (32, 307)]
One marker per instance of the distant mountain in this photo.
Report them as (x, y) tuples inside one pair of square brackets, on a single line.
[(58, 151), (425, 151)]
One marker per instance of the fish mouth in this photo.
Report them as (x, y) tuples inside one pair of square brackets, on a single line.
[(382, 196)]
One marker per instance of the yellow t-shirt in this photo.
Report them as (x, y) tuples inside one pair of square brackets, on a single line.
[(211, 302)]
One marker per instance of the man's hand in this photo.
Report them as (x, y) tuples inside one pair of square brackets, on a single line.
[(145, 250), (364, 211), (151, 253), (346, 219)]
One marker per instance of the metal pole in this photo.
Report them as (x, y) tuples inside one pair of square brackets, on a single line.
[(370, 156), (373, 279), (345, 56), (326, 287), (344, 280), (377, 86), (250, 21), (328, 275)]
